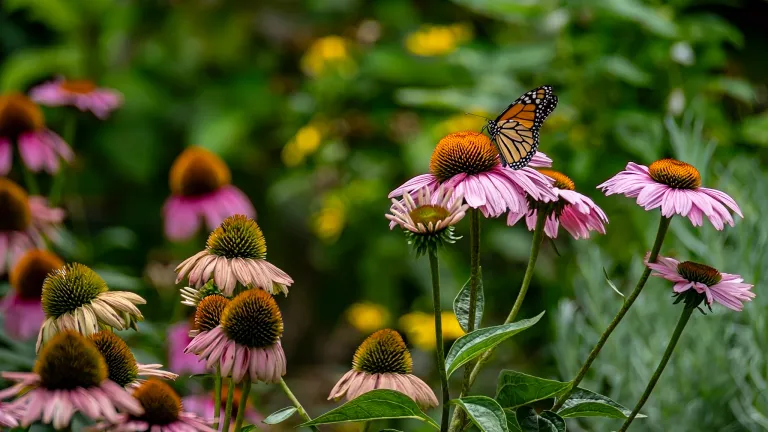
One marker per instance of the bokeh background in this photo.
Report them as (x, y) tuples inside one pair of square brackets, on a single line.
[(321, 107)]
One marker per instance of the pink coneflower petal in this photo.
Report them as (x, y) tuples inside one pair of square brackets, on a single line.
[(83, 95)]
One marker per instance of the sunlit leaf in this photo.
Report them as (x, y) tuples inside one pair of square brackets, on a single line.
[(484, 412), (515, 389), (280, 415), (586, 403), (374, 405)]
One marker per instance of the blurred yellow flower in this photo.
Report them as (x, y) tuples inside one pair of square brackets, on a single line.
[(420, 328), (306, 141), (367, 317), (435, 40), (330, 220), (328, 53)]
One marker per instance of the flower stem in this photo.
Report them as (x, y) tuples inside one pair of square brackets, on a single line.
[(296, 403), (663, 226), (434, 266), (57, 185), (684, 317), (30, 181), (243, 404), (228, 407), (474, 282), (538, 236), (217, 399)]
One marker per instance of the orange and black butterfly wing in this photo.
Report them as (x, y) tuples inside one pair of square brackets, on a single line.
[(516, 130)]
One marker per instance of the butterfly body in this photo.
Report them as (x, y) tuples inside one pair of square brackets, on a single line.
[(515, 132)]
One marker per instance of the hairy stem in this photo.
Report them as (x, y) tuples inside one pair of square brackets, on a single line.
[(434, 266), (687, 311), (243, 404), (663, 226), (296, 403), (217, 399), (228, 406)]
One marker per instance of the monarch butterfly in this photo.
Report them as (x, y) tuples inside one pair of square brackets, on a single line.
[(516, 130)]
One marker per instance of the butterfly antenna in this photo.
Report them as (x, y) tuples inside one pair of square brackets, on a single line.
[(477, 115)]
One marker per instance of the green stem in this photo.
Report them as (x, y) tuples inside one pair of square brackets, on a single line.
[(243, 404), (434, 266), (474, 282), (30, 181), (296, 403), (228, 407), (684, 317), (217, 399), (663, 226), (57, 185)]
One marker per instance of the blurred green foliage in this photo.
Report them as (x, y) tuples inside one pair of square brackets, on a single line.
[(321, 107)]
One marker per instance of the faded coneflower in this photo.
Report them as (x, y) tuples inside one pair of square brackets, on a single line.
[(178, 361), (163, 412), (727, 289), (427, 221), (21, 307), (82, 94), (191, 296), (235, 252), (468, 163), (675, 187), (382, 361), (70, 376), (22, 122), (76, 298), (575, 212), (24, 222), (247, 341), (201, 189), (121, 365), (8, 416)]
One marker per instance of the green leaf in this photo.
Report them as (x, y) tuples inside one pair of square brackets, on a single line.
[(473, 344), (485, 413), (610, 283), (461, 304), (280, 416), (512, 421), (202, 376), (586, 403), (530, 421), (374, 405), (249, 428), (623, 69), (516, 388)]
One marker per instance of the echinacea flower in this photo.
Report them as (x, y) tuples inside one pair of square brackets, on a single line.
[(8, 416), (674, 186), (24, 223), (235, 252), (70, 376), (22, 122), (121, 365), (727, 289), (201, 189), (577, 213), (82, 94), (22, 307), (468, 163), (382, 361), (427, 221), (247, 341), (76, 298), (178, 361), (191, 296), (163, 412)]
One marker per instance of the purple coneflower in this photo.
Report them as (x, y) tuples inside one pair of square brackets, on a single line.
[(82, 94), (163, 412), (8, 416), (201, 189), (382, 361), (674, 186), (179, 361), (22, 122), (727, 289), (70, 376), (24, 222), (235, 252), (22, 306), (577, 213), (468, 163), (427, 224), (76, 298), (121, 365), (247, 339)]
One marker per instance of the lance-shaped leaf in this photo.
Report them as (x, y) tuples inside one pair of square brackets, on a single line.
[(516, 388), (586, 403), (374, 405), (479, 341), (280, 416), (485, 413), (530, 421), (461, 304)]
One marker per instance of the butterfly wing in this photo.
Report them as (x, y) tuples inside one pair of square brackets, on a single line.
[(516, 130)]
